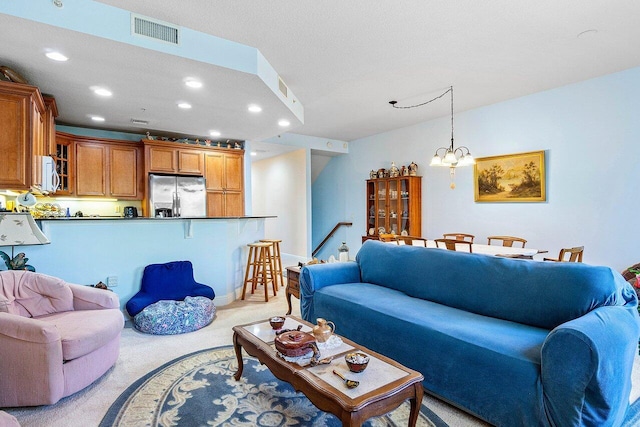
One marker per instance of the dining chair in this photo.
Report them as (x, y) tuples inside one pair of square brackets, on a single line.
[(411, 241), (575, 255), (387, 237), (459, 236), (450, 244), (507, 240)]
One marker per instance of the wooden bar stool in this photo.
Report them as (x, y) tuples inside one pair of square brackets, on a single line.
[(274, 257), (261, 271)]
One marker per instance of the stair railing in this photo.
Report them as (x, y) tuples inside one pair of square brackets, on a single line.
[(331, 233)]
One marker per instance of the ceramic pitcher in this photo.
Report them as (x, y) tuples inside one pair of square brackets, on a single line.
[(323, 330)]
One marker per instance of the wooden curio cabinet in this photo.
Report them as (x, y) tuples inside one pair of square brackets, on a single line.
[(394, 206)]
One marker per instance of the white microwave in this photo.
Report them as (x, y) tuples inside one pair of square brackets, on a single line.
[(50, 178)]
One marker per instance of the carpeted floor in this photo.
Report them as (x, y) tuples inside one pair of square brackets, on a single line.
[(199, 389), (141, 354)]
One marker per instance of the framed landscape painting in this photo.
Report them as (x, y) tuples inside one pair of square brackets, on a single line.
[(510, 178)]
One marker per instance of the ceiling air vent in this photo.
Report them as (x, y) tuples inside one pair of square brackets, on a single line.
[(139, 122), (282, 86), (154, 29)]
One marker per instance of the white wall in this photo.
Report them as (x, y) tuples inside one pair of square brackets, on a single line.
[(590, 133), (280, 187)]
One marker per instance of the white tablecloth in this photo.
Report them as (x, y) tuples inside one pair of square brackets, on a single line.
[(478, 248)]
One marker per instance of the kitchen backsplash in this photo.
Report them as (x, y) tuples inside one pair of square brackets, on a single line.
[(54, 206)]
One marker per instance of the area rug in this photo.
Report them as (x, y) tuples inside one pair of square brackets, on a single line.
[(199, 390)]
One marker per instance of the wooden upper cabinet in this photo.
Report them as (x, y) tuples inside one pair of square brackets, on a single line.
[(105, 167), (160, 157), (190, 162), (37, 144), (224, 175), (50, 114), (21, 133), (214, 171), (224, 171), (123, 171), (91, 169)]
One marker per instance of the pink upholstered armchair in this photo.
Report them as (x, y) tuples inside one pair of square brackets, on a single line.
[(56, 338)]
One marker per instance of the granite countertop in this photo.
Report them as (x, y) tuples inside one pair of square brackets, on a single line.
[(119, 218)]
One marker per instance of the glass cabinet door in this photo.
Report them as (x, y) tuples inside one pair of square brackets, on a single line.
[(63, 160), (382, 216), (404, 206), (393, 206), (371, 208)]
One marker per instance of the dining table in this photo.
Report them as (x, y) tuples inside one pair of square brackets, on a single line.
[(493, 250)]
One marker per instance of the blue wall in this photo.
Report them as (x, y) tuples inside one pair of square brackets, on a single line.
[(590, 133), (85, 251)]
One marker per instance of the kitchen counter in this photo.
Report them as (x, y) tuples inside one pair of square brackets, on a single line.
[(87, 250), (81, 218)]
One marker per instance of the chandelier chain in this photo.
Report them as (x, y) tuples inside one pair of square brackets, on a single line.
[(393, 103)]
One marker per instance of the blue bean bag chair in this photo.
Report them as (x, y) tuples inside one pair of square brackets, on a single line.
[(168, 317), (170, 281)]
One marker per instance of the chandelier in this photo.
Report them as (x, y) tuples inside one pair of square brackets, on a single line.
[(450, 156)]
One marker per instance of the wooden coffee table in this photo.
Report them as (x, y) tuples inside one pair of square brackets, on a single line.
[(384, 385)]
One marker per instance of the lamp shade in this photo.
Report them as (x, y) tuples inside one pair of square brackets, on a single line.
[(26, 199), (18, 229)]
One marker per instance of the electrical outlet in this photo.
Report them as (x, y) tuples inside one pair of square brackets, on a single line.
[(112, 281)]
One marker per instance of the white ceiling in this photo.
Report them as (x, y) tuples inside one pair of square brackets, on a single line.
[(344, 60)]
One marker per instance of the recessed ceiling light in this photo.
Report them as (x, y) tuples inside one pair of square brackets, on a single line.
[(253, 153), (193, 83), (284, 123), (184, 105), (56, 56), (255, 108), (214, 133), (97, 118), (101, 91)]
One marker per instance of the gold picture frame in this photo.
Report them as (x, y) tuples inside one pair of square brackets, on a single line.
[(510, 178)]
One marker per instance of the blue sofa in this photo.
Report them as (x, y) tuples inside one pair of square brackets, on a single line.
[(514, 342)]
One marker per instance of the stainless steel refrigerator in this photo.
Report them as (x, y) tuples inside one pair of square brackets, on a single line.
[(185, 196)]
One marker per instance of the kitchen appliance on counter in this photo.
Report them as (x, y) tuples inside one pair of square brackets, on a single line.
[(130, 212), (182, 195), (164, 213)]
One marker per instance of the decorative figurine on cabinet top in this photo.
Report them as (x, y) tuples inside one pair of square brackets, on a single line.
[(382, 173), (373, 174), (394, 172), (413, 169)]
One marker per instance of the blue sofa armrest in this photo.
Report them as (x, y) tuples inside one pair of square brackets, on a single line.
[(581, 364), (317, 276)]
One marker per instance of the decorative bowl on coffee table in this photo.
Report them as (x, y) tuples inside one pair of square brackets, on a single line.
[(276, 322), (356, 361)]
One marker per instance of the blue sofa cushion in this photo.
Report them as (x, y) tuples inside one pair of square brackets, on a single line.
[(169, 281), (543, 295), (489, 366)]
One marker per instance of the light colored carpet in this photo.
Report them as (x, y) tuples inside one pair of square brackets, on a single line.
[(141, 353)]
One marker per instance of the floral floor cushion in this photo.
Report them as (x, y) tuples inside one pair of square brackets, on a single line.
[(168, 317)]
